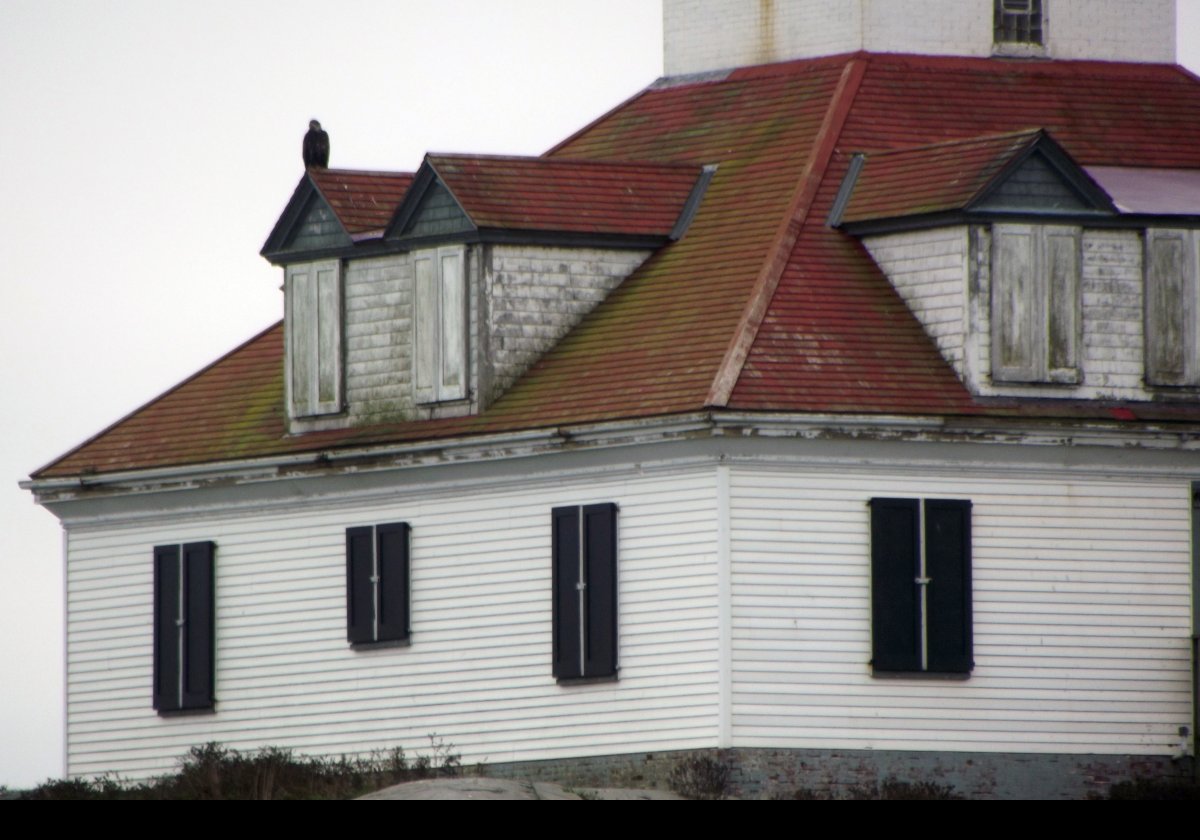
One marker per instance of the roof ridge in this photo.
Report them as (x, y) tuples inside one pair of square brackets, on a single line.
[(385, 173), (784, 241), (961, 141), (607, 163)]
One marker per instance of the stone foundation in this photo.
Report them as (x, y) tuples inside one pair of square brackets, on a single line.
[(770, 773)]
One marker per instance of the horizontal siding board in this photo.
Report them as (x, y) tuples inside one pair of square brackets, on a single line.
[(478, 669), (1081, 594)]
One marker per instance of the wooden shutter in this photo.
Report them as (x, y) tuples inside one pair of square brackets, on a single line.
[(1016, 304), (327, 387), (1171, 303), (895, 567), (360, 589), (314, 338), (568, 597), (391, 542), (453, 385), (301, 336), (426, 320), (184, 639), (948, 594), (600, 569), (198, 626), (167, 658), (585, 590), (1061, 256)]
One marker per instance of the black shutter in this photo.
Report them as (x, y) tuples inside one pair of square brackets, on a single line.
[(360, 591), (392, 554), (198, 625), (895, 566), (566, 614), (948, 596), (600, 568), (166, 627)]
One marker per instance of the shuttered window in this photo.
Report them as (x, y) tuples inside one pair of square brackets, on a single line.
[(585, 591), (183, 626), (314, 338), (921, 586), (440, 325), (377, 606), (1172, 302), (1035, 303)]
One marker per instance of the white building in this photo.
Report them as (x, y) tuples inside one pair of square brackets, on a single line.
[(839, 412)]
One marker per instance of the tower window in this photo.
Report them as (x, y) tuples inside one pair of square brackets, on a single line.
[(1018, 22)]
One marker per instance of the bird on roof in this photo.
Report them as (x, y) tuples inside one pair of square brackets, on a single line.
[(316, 146)]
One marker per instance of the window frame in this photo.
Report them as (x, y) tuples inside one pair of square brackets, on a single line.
[(584, 585), (1026, 26), (918, 626), (184, 627), (440, 325), (1036, 305), (378, 584), (313, 328)]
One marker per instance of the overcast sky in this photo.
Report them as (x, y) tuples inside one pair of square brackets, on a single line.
[(147, 148)]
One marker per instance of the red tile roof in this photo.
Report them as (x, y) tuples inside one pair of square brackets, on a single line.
[(932, 178), (548, 194), (761, 306), (362, 201)]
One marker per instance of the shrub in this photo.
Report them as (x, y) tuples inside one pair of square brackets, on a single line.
[(700, 777), (212, 771)]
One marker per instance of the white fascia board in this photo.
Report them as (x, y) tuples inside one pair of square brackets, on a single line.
[(526, 444)]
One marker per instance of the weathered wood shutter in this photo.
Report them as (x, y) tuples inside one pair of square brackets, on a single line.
[(454, 322), (1061, 258), (440, 325), (1036, 303), (377, 587), (1171, 304), (585, 591), (895, 566), (948, 594), (426, 328), (1016, 304), (184, 623), (314, 313)]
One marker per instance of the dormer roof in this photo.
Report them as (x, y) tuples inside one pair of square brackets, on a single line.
[(549, 200), (332, 209), (1016, 172)]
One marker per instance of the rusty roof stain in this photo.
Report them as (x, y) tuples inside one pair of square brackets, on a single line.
[(761, 292)]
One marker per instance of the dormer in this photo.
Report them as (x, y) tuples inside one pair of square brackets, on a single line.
[(422, 296), (1035, 276)]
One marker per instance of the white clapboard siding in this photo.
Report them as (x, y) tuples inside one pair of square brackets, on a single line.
[(536, 294), (478, 670), (1081, 615), (929, 270)]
